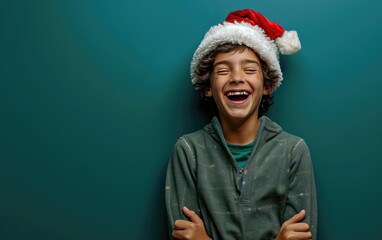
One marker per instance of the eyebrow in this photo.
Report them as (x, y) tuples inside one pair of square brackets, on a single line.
[(241, 62)]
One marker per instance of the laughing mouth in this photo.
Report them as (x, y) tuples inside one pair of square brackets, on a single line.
[(237, 96)]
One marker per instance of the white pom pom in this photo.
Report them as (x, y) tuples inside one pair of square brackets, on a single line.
[(288, 43)]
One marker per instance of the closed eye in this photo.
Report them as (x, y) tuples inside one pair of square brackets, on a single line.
[(222, 71), (250, 70)]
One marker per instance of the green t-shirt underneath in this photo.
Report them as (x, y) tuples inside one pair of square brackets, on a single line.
[(241, 152)]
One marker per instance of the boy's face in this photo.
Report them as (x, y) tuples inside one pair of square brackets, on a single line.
[(237, 84)]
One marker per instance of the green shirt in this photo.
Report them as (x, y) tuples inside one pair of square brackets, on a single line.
[(241, 152)]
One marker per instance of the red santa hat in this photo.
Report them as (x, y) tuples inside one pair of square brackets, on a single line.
[(250, 28)]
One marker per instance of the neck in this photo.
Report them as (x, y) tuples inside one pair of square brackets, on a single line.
[(240, 131)]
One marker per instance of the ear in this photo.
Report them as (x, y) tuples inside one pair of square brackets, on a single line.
[(208, 92), (267, 91)]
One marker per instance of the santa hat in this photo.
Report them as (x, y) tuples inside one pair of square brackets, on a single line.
[(252, 29)]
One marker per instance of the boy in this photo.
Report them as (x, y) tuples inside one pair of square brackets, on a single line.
[(241, 176)]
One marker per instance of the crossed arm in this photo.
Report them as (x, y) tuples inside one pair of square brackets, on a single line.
[(180, 191), (292, 229)]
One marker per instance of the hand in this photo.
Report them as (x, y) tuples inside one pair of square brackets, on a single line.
[(293, 229), (190, 230)]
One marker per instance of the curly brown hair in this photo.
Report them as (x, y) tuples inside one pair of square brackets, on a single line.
[(204, 72)]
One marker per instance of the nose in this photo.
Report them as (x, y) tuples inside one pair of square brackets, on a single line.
[(236, 77)]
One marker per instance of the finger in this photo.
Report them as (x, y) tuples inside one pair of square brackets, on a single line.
[(192, 215), (297, 227), (179, 234), (296, 218), (300, 227), (182, 224), (300, 236)]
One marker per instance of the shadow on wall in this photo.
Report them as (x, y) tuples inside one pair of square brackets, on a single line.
[(152, 222)]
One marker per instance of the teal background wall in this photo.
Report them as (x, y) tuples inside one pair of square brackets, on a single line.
[(93, 95)]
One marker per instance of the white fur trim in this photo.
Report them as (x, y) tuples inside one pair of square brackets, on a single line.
[(238, 33), (288, 43)]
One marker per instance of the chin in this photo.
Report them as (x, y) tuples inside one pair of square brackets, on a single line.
[(240, 116)]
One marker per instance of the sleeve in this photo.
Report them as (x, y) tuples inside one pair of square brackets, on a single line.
[(302, 189), (180, 186)]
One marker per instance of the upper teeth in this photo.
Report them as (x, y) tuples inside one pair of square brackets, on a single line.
[(236, 93)]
